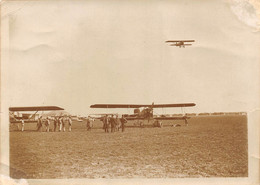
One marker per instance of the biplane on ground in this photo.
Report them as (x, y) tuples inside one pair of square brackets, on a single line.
[(16, 117), (145, 111), (180, 43)]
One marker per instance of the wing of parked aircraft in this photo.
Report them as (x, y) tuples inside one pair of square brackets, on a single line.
[(147, 111), (37, 108), (142, 105)]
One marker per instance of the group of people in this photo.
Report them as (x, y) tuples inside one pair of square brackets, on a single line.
[(113, 123), (58, 122), (110, 123)]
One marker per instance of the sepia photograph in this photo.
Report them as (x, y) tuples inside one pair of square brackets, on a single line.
[(105, 90)]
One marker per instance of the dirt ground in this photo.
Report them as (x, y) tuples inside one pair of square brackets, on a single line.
[(211, 146)]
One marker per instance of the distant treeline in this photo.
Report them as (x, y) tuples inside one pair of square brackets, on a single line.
[(207, 114)]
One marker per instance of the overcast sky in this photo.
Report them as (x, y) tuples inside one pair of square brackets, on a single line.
[(74, 54)]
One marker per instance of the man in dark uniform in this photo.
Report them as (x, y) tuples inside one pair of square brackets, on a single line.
[(186, 120), (123, 121), (105, 122), (39, 124), (88, 124), (112, 123)]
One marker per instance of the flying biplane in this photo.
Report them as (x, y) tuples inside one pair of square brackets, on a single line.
[(147, 110), (180, 43)]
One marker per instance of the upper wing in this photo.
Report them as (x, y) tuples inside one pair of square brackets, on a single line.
[(38, 108), (117, 106), (188, 40), (142, 105), (174, 105), (172, 41)]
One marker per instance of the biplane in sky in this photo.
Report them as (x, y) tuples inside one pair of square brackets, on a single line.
[(145, 111), (15, 117), (180, 43)]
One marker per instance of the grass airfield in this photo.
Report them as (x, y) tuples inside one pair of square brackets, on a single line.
[(211, 146)]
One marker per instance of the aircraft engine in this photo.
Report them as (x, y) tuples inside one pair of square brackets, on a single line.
[(137, 111)]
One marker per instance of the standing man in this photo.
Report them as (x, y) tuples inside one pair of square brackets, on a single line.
[(70, 123), (105, 122), (55, 123), (47, 123), (123, 121), (91, 120), (60, 123), (118, 123), (88, 123), (63, 123), (112, 123), (186, 121), (39, 124), (22, 123)]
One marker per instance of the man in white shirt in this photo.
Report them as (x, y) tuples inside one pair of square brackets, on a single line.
[(22, 123), (70, 123), (47, 123)]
